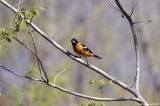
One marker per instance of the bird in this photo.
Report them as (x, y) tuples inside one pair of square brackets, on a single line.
[(82, 50)]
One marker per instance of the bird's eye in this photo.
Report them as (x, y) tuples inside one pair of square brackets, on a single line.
[(73, 41)]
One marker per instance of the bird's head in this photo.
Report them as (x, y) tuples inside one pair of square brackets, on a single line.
[(73, 41)]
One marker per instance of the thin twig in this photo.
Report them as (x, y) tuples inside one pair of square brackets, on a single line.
[(38, 60), (92, 67), (135, 43), (19, 3), (60, 73), (114, 6), (129, 19), (132, 12), (71, 92), (142, 21), (28, 48), (35, 50), (18, 74)]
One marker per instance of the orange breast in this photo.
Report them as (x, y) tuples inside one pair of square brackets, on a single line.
[(78, 48)]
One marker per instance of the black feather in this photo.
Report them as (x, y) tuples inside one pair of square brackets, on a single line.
[(87, 49), (98, 57)]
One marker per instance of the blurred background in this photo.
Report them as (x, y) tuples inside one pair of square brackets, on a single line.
[(98, 25)]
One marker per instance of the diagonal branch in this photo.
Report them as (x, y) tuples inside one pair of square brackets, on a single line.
[(60, 73), (38, 59), (114, 6), (70, 92), (92, 67), (18, 74)]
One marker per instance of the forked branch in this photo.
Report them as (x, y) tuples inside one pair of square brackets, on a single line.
[(54, 43), (132, 26), (70, 92), (136, 93)]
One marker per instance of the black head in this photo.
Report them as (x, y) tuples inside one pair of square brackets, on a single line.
[(73, 41)]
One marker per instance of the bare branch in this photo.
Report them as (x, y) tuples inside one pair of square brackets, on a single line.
[(132, 12), (38, 60), (21, 43), (143, 21), (18, 74), (135, 43), (129, 19), (92, 67), (136, 92), (35, 50), (71, 92), (19, 3), (114, 6), (60, 73)]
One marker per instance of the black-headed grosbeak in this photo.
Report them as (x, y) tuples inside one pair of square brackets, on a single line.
[(82, 50)]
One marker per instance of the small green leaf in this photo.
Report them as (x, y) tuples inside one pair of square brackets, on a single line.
[(102, 82), (19, 13), (36, 10), (5, 35), (92, 82), (23, 25), (110, 82), (27, 15), (2, 45), (84, 104), (32, 71)]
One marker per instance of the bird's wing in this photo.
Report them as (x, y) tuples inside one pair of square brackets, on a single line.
[(86, 49)]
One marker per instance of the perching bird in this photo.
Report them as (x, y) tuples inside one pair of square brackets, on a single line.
[(82, 50)]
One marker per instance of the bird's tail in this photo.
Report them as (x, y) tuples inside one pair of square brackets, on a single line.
[(98, 57)]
